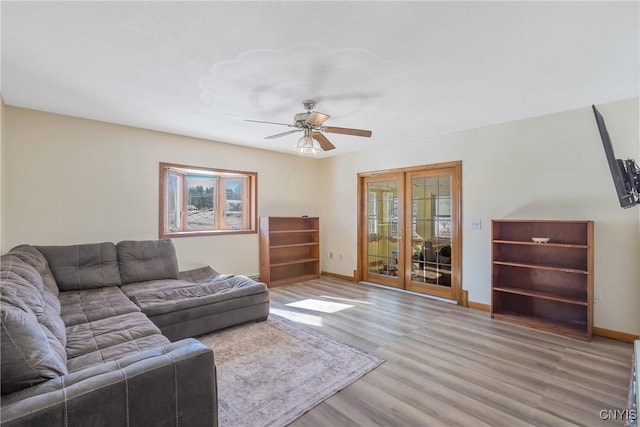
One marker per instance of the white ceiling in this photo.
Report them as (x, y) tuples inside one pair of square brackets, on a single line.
[(405, 70)]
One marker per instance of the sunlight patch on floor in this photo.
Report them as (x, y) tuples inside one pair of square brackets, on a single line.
[(319, 305), (307, 319)]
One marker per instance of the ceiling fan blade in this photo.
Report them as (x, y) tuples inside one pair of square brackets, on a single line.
[(317, 119), (325, 144), (278, 135), (271, 123), (348, 131)]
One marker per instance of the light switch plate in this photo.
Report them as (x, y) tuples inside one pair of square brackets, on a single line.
[(597, 294), (476, 224)]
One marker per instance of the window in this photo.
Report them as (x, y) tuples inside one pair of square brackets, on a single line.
[(199, 201)]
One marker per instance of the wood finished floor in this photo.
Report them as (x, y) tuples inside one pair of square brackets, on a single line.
[(454, 366)]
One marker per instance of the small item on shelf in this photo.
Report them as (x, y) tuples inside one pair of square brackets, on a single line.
[(540, 239)]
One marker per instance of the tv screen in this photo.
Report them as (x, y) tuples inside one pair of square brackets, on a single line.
[(624, 172)]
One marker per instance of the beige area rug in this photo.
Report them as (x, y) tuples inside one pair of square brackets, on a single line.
[(272, 372)]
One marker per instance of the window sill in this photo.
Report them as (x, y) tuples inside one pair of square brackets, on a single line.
[(175, 234)]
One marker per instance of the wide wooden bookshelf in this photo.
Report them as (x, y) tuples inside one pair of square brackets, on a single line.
[(548, 286), (289, 249)]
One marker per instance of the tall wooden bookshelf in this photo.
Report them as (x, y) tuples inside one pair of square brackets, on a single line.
[(548, 286), (289, 249)]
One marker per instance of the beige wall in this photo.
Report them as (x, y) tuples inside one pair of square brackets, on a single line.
[(70, 180), (1, 166), (546, 167)]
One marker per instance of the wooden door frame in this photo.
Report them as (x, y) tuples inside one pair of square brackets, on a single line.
[(456, 274)]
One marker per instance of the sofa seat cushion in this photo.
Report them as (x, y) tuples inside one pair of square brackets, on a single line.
[(94, 304), (166, 296), (116, 352), (100, 334), (88, 266)]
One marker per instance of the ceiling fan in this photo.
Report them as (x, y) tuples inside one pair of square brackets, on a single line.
[(312, 124)]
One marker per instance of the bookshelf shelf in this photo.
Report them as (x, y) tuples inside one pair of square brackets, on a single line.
[(548, 286), (289, 249)]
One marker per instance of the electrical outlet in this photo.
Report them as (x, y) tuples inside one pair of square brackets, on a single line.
[(598, 294), (476, 224), (330, 255)]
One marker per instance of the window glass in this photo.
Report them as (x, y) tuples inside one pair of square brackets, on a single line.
[(234, 191), (173, 202), (200, 201)]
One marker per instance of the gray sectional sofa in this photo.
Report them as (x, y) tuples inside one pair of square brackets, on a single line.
[(87, 331)]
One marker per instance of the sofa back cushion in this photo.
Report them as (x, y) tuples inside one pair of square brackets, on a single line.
[(46, 305), (144, 260), (88, 266), (30, 353), (36, 259), (31, 332)]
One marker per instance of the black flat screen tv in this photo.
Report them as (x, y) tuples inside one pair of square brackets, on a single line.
[(625, 173)]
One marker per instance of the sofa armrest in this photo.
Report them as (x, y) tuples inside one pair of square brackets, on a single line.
[(169, 386)]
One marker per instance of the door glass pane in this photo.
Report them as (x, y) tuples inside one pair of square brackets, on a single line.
[(431, 223), (382, 219)]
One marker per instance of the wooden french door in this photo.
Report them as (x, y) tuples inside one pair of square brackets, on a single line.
[(383, 233), (410, 229)]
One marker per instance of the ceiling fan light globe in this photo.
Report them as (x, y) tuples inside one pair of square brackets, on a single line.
[(307, 145)]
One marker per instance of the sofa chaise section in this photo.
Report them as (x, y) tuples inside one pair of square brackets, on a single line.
[(182, 308), (191, 303)]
